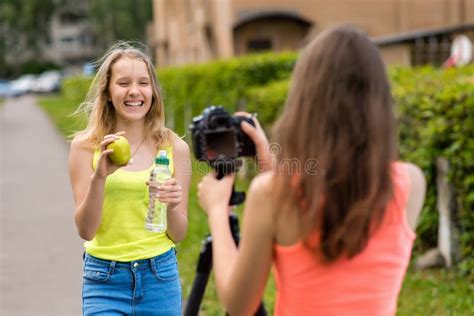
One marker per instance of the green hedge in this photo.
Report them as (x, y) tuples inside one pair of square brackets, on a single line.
[(188, 90), (74, 89), (267, 101), (435, 111), (436, 118)]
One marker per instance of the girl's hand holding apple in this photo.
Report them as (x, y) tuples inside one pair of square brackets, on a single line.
[(105, 165)]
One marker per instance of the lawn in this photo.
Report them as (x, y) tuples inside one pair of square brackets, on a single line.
[(430, 292), (436, 292)]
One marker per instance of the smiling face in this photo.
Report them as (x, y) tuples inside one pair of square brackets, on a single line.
[(130, 88)]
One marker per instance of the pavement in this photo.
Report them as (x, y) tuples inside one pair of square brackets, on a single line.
[(40, 251)]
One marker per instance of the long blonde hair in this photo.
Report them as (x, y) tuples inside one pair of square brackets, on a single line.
[(100, 111)]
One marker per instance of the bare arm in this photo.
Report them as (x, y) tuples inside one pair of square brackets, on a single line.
[(88, 186), (178, 214), (416, 197), (252, 261)]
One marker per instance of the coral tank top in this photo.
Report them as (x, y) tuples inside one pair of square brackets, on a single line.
[(367, 284)]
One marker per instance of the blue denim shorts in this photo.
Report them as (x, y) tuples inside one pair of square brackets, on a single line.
[(142, 287)]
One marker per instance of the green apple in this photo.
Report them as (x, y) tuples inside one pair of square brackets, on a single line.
[(121, 154)]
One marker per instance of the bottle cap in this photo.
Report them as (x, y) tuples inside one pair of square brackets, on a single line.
[(162, 159)]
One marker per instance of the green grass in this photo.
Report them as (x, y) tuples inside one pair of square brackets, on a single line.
[(60, 111), (436, 292), (431, 292)]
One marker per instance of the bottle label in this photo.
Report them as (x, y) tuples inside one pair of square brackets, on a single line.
[(162, 177)]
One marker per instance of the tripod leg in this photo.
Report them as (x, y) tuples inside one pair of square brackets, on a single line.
[(200, 281), (196, 295), (205, 261), (261, 311)]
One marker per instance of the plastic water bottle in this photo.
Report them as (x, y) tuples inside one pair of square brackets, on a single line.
[(156, 217)]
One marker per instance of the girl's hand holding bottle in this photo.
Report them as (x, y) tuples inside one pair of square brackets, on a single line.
[(169, 192)]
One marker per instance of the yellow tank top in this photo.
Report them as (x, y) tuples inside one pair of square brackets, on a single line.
[(121, 235)]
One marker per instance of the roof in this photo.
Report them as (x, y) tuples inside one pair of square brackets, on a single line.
[(412, 36)]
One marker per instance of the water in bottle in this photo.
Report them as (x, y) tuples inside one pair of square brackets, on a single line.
[(156, 216)]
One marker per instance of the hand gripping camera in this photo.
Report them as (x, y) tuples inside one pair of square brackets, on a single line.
[(218, 139), (217, 136)]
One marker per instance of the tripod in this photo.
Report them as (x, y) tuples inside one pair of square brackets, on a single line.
[(204, 265)]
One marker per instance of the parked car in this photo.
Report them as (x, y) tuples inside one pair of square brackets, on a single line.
[(22, 85), (5, 89), (48, 81)]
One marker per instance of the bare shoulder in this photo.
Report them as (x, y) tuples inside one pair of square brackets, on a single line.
[(261, 194), (417, 179), (263, 183), (80, 153), (182, 159), (415, 173), (416, 195), (81, 146), (180, 147)]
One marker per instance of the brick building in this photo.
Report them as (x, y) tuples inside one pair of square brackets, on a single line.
[(189, 31)]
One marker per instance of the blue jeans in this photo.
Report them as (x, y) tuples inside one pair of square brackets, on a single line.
[(142, 287)]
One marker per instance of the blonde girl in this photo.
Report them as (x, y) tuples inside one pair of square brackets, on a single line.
[(127, 269)]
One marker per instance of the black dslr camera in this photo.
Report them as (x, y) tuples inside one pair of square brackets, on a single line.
[(218, 140), (217, 136)]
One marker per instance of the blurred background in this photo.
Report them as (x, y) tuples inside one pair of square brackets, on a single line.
[(66, 35), (240, 54)]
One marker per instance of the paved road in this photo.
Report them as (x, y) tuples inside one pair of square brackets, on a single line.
[(40, 253)]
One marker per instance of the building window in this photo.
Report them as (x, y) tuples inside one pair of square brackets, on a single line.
[(261, 44), (430, 50), (71, 18), (68, 40)]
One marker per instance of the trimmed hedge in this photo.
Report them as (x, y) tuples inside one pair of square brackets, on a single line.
[(435, 111), (267, 101), (74, 89), (188, 90), (436, 118)]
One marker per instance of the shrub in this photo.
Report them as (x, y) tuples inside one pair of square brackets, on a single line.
[(434, 108), (435, 114), (188, 90), (436, 118)]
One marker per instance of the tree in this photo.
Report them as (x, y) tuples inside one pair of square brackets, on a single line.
[(23, 26), (119, 20)]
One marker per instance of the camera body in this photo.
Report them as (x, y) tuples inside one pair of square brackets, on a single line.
[(216, 135)]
